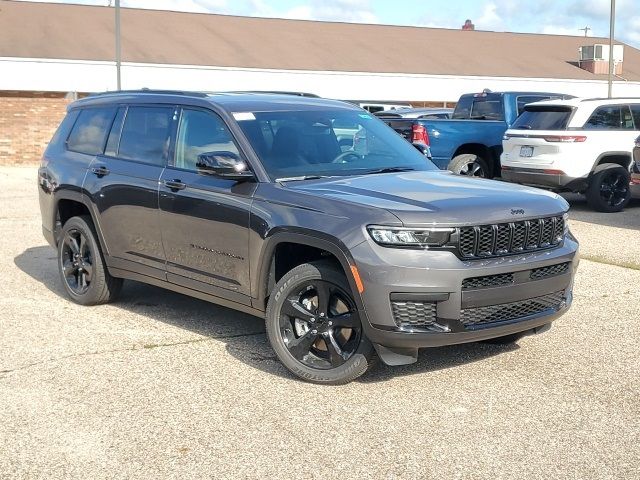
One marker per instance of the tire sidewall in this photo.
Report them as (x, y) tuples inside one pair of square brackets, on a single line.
[(463, 159), (91, 296), (593, 192), (355, 366)]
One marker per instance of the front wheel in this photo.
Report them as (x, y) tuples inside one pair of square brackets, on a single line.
[(314, 327), (470, 165)]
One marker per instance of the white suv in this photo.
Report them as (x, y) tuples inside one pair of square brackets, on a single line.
[(579, 145)]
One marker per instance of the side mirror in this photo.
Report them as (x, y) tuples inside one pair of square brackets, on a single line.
[(224, 165), (422, 148)]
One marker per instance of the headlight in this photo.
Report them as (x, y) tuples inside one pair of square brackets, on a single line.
[(410, 237)]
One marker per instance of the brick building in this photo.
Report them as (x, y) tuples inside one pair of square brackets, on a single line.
[(52, 53)]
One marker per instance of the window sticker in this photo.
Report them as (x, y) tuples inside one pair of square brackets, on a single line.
[(240, 116), (364, 115)]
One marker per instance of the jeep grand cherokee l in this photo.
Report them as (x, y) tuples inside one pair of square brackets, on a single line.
[(346, 248)]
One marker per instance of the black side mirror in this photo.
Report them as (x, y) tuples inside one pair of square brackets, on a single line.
[(224, 165), (423, 149)]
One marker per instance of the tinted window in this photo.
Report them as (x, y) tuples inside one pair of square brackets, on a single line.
[(332, 142), (635, 111), (610, 117), (522, 101), (145, 134), (201, 132), (482, 107), (112, 143), (90, 130), (543, 118)]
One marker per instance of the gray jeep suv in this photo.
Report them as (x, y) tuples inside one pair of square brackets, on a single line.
[(310, 213)]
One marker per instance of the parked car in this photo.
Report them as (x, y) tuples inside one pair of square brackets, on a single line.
[(471, 142), (635, 170), (248, 201), (578, 145), (416, 113), (373, 106)]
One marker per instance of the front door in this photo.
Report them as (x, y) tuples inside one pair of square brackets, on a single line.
[(124, 187), (205, 219)]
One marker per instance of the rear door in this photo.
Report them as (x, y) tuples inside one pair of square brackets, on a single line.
[(205, 219), (123, 183)]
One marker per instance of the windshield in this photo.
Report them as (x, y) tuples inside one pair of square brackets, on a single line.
[(334, 142), (543, 118)]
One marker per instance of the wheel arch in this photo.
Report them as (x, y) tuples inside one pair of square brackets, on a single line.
[(70, 203), (622, 158), (486, 153), (300, 246)]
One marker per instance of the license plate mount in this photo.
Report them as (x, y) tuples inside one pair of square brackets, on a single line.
[(526, 151)]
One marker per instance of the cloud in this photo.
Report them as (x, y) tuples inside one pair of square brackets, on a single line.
[(358, 11)]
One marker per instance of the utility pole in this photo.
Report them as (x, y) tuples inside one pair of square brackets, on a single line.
[(118, 53), (612, 24)]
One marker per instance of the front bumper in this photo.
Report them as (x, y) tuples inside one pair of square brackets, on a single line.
[(538, 178), (436, 277)]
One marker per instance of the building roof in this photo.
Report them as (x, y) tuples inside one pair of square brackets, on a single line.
[(80, 32)]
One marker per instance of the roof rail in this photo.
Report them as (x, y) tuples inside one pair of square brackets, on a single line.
[(150, 91), (275, 92)]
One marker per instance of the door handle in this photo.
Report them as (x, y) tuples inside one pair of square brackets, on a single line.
[(100, 171), (175, 185)]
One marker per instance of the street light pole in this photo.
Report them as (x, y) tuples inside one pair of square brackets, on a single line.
[(118, 53), (612, 24)]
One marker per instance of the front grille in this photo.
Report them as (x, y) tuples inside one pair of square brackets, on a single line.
[(413, 314), (550, 271), (479, 316), (488, 281), (502, 239)]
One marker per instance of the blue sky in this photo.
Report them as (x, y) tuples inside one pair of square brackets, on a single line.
[(563, 17)]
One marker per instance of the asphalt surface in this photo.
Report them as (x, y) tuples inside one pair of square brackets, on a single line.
[(159, 385)]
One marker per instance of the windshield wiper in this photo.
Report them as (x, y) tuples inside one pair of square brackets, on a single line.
[(389, 170), (300, 178)]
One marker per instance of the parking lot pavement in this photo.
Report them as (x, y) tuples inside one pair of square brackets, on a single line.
[(606, 237), (161, 385)]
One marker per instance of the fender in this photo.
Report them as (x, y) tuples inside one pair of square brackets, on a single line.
[(611, 154), (302, 236)]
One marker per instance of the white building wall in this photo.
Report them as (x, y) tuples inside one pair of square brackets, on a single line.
[(91, 76)]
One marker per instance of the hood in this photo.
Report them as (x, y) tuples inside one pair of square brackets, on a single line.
[(439, 197)]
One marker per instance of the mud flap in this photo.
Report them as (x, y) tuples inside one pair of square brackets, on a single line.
[(396, 356)]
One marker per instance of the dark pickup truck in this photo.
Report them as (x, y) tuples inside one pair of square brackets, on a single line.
[(471, 142)]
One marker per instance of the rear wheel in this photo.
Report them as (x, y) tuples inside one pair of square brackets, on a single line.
[(470, 165), (609, 189), (314, 327), (81, 265)]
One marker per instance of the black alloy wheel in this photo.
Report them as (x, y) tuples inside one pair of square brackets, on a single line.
[(314, 326), (319, 325), (614, 188), (76, 261)]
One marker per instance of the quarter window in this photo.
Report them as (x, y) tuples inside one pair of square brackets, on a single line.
[(145, 134), (611, 117), (635, 112), (201, 132), (90, 130)]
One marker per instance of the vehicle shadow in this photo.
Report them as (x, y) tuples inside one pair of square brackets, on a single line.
[(243, 334), (580, 211)]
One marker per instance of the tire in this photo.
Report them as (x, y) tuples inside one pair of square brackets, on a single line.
[(470, 165), (320, 345), (608, 189), (81, 264), (506, 340)]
